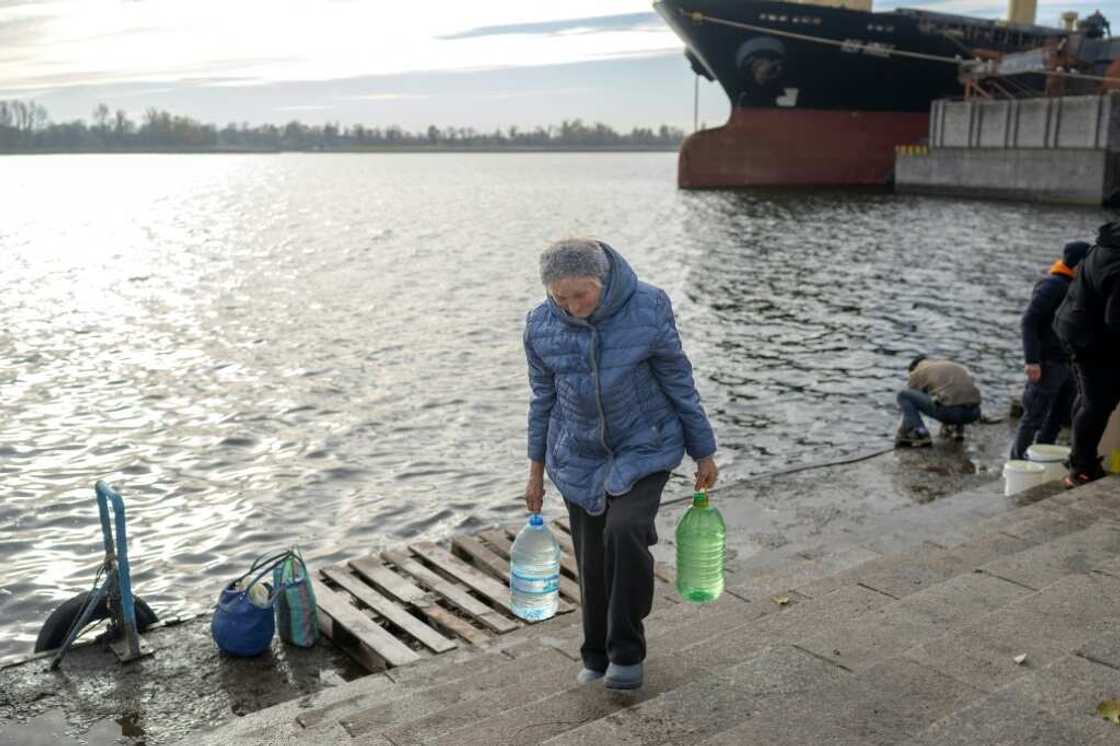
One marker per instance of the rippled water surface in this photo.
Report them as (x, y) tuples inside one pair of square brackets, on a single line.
[(325, 349)]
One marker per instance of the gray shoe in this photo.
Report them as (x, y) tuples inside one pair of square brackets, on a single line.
[(912, 439), (588, 676), (624, 677)]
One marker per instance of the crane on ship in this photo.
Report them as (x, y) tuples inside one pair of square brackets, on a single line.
[(1085, 60)]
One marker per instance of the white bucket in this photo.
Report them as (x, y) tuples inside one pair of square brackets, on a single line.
[(1052, 457), (1021, 475)]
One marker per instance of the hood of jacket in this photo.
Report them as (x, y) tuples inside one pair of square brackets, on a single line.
[(620, 285)]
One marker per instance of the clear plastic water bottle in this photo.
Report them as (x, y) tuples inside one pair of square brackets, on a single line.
[(534, 571), (701, 537)]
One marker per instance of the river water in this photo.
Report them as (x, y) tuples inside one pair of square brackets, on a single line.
[(325, 350)]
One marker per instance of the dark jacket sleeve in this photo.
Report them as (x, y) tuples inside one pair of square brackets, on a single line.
[(1112, 309), (541, 399), (673, 371), (1045, 299)]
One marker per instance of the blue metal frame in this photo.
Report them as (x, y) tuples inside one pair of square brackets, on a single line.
[(127, 614), (118, 583)]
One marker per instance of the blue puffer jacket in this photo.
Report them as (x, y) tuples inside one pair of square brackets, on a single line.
[(613, 398)]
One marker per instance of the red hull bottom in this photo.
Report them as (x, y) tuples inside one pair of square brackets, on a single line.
[(772, 147)]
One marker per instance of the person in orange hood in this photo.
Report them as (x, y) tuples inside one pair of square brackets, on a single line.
[(1048, 395)]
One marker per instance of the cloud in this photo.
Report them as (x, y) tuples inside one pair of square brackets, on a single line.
[(6, 4), (623, 92), (383, 97), (21, 30), (596, 24), (154, 74), (530, 93)]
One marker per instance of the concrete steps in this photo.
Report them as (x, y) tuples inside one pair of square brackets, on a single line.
[(849, 646), (327, 708)]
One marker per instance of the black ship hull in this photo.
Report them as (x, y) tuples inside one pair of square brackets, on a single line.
[(835, 90)]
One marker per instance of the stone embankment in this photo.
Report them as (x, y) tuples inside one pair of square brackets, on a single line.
[(966, 624)]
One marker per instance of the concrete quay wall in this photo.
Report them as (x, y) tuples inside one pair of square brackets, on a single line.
[(1089, 122), (1072, 176), (1046, 150)]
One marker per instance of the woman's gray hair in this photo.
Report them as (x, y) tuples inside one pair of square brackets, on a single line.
[(574, 257)]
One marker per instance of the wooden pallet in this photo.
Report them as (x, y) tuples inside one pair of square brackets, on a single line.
[(409, 603)]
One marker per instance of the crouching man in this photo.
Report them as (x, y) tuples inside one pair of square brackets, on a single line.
[(940, 389)]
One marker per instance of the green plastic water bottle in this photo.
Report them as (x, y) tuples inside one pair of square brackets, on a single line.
[(700, 544)]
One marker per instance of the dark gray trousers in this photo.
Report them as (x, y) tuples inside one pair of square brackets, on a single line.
[(1098, 393), (616, 573)]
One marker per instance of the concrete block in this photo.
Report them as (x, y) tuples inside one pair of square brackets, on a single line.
[(1076, 610), (1104, 649), (957, 125), (994, 121), (1008, 718), (428, 715), (1044, 626), (378, 715), (1075, 553), (893, 700), (897, 575), (1109, 567), (983, 656), (691, 623), (1101, 498), (1002, 521), (1076, 125), (1044, 175), (818, 615), (709, 647), (1034, 123), (985, 548), (858, 643), (327, 732), (1070, 687), (796, 721), (1049, 523), (962, 599), (753, 586), (541, 720), (725, 647)]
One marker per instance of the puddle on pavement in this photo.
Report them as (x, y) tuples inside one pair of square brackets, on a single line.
[(52, 729)]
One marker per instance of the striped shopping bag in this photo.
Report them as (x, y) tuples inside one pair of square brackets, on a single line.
[(297, 615)]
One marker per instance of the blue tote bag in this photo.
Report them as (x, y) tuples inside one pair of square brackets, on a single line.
[(243, 622)]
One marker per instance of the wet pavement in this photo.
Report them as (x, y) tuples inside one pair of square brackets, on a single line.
[(807, 509), (187, 685)]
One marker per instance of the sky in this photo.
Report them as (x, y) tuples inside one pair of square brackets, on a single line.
[(486, 64)]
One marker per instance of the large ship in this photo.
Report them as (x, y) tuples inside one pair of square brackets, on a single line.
[(822, 92)]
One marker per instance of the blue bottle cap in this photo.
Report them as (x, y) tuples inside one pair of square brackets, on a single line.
[(535, 520)]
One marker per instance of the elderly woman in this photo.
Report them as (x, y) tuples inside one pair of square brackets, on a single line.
[(613, 410)]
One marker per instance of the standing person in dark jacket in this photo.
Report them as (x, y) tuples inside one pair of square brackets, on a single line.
[(613, 410), (1049, 392), (1088, 323)]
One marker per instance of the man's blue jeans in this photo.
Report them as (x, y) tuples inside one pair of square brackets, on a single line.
[(1046, 407), (914, 404)]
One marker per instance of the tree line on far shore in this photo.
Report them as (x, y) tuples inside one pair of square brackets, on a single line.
[(26, 128)]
